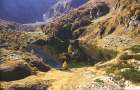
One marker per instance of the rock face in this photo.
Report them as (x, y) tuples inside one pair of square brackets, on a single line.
[(62, 6)]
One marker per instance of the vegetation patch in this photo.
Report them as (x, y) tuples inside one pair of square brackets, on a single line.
[(132, 75), (99, 80)]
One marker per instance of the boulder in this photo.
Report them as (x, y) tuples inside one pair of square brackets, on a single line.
[(40, 65), (40, 85), (14, 72)]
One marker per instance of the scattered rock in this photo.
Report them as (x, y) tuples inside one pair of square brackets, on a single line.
[(135, 20), (103, 83), (116, 42)]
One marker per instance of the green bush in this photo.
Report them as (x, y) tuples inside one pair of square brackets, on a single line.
[(137, 56), (136, 48), (67, 26), (99, 80), (78, 32), (70, 48), (75, 25), (84, 21), (132, 75), (65, 65)]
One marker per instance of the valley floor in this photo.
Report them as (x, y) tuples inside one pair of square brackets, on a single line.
[(85, 78)]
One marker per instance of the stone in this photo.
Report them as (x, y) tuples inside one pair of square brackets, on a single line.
[(40, 65), (40, 85), (14, 72)]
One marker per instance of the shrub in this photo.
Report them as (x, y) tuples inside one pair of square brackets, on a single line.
[(137, 56), (99, 80), (125, 56), (64, 33), (136, 48), (65, 65), (78, 32), (67, 26), (70, 49), (84, 21), (132, 75), (75, 25)]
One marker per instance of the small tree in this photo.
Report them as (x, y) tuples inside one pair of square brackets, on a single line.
[(70, 48), (65, 65)]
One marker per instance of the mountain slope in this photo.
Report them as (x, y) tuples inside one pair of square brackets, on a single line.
[(30, 11), (24, 11), (62, 6), (99, 19)]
